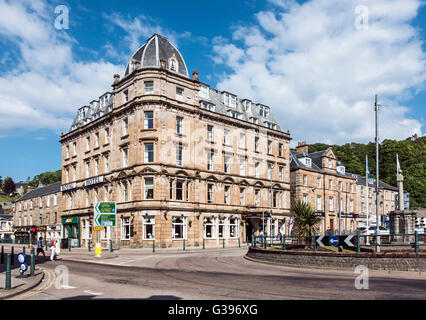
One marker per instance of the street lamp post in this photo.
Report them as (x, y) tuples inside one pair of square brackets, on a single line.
[(340, 208), (270, 221)]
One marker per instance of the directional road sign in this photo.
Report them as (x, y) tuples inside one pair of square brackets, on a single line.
[(348, 241), (335, 241), (105, 214)]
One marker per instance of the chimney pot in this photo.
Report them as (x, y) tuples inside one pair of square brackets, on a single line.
[(302, 147), (195, 75), (116, 78)]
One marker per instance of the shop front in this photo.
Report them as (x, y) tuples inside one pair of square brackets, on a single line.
[(53, 231), (71, 232), (23, 235)]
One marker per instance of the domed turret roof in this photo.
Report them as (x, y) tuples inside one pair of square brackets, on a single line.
[(158, 48)]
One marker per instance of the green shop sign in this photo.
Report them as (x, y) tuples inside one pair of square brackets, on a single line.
[(70, 220)]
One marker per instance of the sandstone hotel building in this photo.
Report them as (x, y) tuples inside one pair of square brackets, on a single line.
[(181, 159)]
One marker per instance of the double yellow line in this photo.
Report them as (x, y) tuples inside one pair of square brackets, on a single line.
[(49, 280)]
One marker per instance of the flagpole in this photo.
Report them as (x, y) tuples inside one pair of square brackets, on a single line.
[(367, 176)]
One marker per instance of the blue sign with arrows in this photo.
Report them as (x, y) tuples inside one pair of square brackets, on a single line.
[(334, 241)]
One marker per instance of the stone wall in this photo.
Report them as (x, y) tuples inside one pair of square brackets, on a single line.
[(409, 261)]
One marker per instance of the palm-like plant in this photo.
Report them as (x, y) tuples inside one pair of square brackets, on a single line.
[(306, 223)]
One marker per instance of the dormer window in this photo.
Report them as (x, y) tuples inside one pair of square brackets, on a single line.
[(247, 105), (306, 161), (173, 65), (263, 111), (229, 100), (234, 114), (341, 169), (207, 106), (204, 92), (254, 120), (270, 125)]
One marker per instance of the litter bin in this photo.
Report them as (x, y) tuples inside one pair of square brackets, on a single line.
[(64, 243)]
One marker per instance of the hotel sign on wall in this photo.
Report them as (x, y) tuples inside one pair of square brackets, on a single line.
[(92, 181), (69, 186)]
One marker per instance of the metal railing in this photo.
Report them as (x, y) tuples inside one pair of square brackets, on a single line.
[(358, 241)]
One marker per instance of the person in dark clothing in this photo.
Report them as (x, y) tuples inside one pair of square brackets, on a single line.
[(40, 248)]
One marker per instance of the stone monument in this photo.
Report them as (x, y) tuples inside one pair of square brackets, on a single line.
[(402, 221)]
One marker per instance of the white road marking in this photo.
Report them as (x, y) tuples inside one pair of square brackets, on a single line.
[(93, 293), (67, 287)]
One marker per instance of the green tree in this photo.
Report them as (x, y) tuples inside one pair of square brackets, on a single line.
[(306, 223), (9, 185)]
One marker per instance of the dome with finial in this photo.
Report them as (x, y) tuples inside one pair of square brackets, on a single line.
[(157, 52)]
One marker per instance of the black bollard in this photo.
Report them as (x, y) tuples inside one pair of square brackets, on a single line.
[(8, 285), (12, 257), (2, 255)]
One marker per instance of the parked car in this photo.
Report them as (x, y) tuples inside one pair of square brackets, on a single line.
[(372, 231), (420, 230)]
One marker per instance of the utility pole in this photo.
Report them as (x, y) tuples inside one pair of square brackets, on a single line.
[(376, 109)]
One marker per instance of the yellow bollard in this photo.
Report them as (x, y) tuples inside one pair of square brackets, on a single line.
[(98, 249)]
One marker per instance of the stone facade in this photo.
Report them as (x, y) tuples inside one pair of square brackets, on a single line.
[(316, 178), (319, 183), (387, 201), (176, 169), (39, 209)]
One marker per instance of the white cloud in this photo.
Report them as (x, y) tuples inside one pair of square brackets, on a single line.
[(136, 31), (47, 83), (319, 72)]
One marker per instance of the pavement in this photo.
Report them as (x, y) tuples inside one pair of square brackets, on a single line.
[(19, 283), (214, 273)]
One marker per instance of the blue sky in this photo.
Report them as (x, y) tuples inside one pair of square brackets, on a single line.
[(309, 60)]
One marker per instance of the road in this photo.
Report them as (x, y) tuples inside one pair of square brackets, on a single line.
[(214, 275)]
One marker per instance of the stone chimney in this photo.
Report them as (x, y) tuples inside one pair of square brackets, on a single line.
[(116, 78), (302, 147), (195, 75)]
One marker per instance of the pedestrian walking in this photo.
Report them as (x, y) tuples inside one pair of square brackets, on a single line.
[(58, 246), (40, 248), (52, 249)]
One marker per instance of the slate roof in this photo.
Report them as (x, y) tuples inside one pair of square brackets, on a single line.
[(216, 98), (156, 48), (96, 110), (316, 158), (372, 182), (43, 191), (295, 163)]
